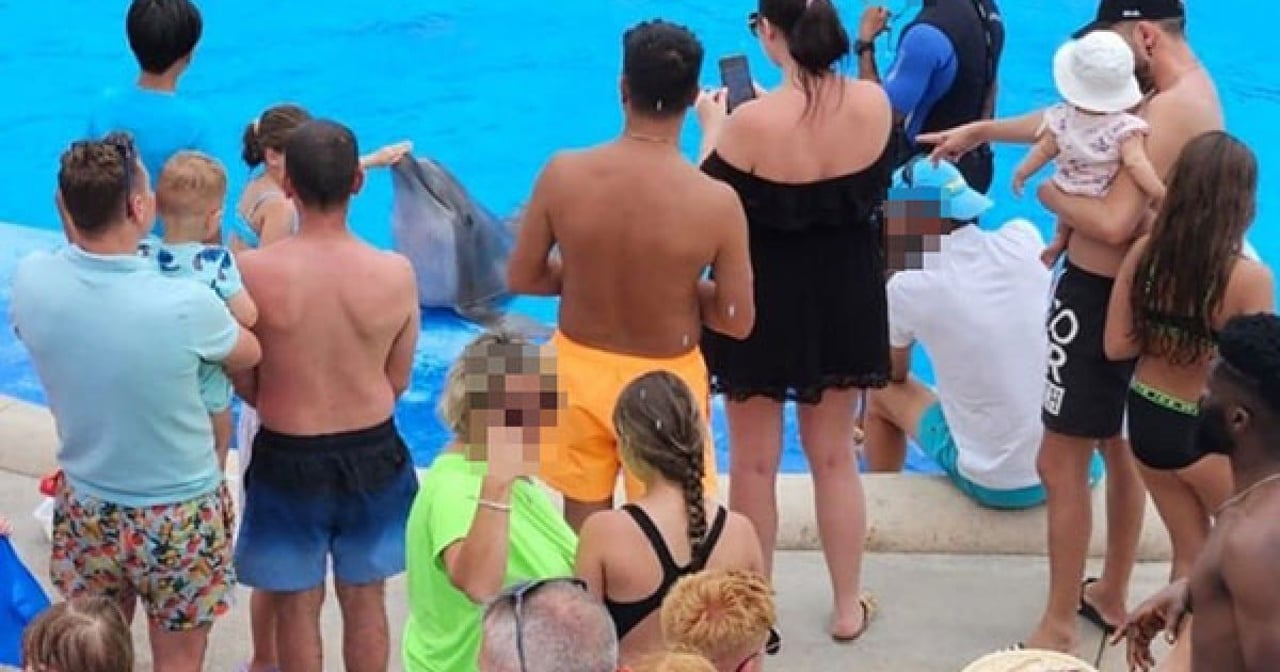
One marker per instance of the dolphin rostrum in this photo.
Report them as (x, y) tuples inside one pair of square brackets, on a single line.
[(458, 248)]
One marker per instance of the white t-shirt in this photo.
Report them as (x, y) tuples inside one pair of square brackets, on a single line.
[(978, 308)]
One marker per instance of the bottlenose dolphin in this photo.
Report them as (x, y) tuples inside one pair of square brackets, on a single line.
[(458, 248)]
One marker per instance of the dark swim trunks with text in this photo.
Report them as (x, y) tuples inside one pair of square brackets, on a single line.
[(1084, 395)]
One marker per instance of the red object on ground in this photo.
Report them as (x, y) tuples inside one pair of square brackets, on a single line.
[(49, 484)]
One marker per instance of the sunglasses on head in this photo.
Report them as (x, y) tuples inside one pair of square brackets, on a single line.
[(123, 144), (516, 595), (753, 23)]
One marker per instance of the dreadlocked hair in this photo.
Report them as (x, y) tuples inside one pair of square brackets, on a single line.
[(1195, 242), (661, 431), (1250, 344)]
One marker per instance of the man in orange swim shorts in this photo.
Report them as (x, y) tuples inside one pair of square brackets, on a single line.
[(636, 226)]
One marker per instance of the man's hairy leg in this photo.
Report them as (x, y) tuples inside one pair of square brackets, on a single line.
[(298, 630), (366, 639)]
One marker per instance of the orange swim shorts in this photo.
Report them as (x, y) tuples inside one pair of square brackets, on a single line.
[(584, 463)]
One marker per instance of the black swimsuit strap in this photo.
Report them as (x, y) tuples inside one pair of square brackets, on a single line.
[(698, 564), (656, 541), (669, 567), (627, 615)]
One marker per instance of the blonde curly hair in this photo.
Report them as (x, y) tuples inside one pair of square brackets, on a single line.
[(719, 614)]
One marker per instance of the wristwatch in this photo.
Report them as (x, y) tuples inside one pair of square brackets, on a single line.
[(862, 46)]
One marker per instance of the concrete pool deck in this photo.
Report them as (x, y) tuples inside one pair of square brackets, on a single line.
[(954, 581), (937, 612), (907, 513)]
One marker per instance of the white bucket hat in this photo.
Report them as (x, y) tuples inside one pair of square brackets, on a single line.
[(1029, 660), (1095, 73)]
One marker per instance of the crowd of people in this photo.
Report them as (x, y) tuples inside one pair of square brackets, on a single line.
[(839, 220)]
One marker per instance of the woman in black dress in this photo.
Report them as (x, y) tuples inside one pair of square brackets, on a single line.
[(810, 163)]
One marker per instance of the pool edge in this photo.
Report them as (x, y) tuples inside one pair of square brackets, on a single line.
[(907, 513)]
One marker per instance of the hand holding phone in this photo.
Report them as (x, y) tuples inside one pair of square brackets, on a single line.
[(735, 75)]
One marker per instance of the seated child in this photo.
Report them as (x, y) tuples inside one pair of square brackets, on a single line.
[(190, 194), (1092, 135), (84, 634)]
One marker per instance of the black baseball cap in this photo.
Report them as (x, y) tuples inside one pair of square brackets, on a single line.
[(1111, 12)]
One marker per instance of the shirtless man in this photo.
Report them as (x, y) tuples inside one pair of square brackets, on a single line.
[(330, 475), (1235, 585), (1084, 394), (637, 226)]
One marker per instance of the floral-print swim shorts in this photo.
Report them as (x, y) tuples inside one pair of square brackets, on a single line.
[(176, 557)]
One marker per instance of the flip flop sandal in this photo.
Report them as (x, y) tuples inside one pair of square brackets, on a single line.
[(869, 609), (1089, 613)]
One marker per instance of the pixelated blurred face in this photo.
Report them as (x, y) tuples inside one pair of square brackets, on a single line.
[(512, 386), (915, 226)]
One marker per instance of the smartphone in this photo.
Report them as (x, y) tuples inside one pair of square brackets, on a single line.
[(735, 76)]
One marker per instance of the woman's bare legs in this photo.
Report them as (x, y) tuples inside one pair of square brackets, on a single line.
[(826, 432), (755, 450)]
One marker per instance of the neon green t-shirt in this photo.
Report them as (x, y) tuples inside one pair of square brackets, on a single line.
[(443, 630)]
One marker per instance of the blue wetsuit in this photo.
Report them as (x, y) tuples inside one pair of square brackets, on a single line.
[(944, 76), (923, 71)]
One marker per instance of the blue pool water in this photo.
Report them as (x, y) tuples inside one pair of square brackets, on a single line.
[(491, 89)]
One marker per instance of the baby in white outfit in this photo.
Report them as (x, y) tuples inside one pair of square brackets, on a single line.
[(1092, 135)]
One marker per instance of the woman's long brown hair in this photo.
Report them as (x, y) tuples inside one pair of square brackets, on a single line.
[(661, 428), (1198, 235)]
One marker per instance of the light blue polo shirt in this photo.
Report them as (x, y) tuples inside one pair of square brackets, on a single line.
[(118, 348), (161, 123)]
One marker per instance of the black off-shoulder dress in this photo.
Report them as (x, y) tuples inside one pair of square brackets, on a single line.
[(817, 253)]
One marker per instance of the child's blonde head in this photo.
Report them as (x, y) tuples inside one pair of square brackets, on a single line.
[(675, 662), (190, 194), (85, 634), (724, 615)]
